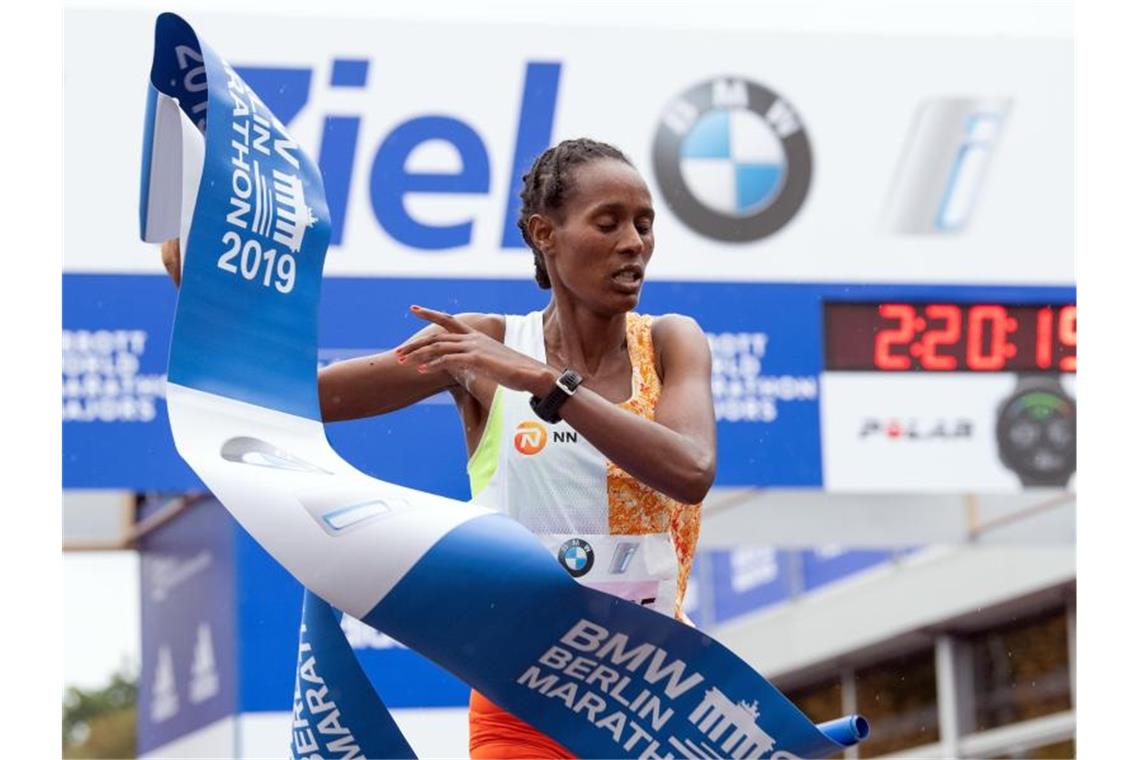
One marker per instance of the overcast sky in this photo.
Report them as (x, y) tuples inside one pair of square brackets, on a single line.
[(101, 615)]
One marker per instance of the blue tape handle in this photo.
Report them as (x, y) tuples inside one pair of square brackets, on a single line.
[(848, 730)]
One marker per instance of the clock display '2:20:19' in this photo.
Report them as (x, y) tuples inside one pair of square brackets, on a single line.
[(950, 337)]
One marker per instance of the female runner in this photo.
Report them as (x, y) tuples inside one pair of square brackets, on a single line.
[(616, 495)]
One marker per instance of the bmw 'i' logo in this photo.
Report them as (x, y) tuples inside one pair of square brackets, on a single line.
[(576, 556), (732, 159)]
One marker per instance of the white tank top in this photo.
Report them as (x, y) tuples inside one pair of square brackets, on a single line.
[(557, 484)]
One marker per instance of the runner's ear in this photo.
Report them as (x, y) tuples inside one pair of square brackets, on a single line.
[(540, 228)]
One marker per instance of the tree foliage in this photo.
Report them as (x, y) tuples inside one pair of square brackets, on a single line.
[(100, 723)]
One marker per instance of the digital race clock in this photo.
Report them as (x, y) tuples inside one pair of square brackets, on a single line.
[(950, 337)]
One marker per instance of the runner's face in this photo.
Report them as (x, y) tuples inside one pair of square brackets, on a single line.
[(604, 242)]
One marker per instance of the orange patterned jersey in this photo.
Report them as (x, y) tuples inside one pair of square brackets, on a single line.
[(633, 506)]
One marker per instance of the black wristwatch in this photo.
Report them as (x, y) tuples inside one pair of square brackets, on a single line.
[(564, 387)]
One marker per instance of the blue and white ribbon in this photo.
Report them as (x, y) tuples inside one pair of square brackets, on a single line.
[(336, 712), (469, 588)]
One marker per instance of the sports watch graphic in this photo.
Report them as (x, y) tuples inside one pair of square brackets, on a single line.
[(1037, 432)]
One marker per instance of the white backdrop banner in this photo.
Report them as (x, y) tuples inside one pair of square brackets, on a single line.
[(771, 157)]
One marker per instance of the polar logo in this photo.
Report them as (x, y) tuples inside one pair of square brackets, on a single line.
[(961, 429), (287, 91), (530, 437)]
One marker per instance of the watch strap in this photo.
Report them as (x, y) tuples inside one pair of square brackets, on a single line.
[(547, 407)]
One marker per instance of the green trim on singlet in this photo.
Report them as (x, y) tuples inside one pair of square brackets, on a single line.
[(483, 463)]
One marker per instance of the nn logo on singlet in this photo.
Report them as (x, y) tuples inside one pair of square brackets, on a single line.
[(531, 437)]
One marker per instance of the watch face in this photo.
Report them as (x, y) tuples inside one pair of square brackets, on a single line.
[(570, 380), (1037, 435)]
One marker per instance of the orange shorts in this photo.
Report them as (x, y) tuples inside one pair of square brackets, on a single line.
[(495, 734)]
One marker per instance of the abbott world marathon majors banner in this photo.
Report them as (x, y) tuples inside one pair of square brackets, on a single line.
[(605, 677)]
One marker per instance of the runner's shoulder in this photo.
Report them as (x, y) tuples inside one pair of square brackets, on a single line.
[(678, 337), (671, 328)]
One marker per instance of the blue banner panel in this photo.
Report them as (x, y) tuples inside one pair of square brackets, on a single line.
[(748, 579), (824, 566), (189, 658), (266, 610), (764, 340), (116, 335)]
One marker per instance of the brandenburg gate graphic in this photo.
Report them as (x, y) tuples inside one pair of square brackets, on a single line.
[(730, 726)]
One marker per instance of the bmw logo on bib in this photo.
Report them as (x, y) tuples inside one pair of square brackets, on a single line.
[(732, 159), (576, 556)]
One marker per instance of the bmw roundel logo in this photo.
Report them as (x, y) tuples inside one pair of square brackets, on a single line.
[(732, 159), (576, 556)]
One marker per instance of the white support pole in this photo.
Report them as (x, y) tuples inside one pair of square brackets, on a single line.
[(848, 704), (946, 676)]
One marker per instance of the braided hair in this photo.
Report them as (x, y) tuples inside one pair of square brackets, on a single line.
[(550, 182)]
